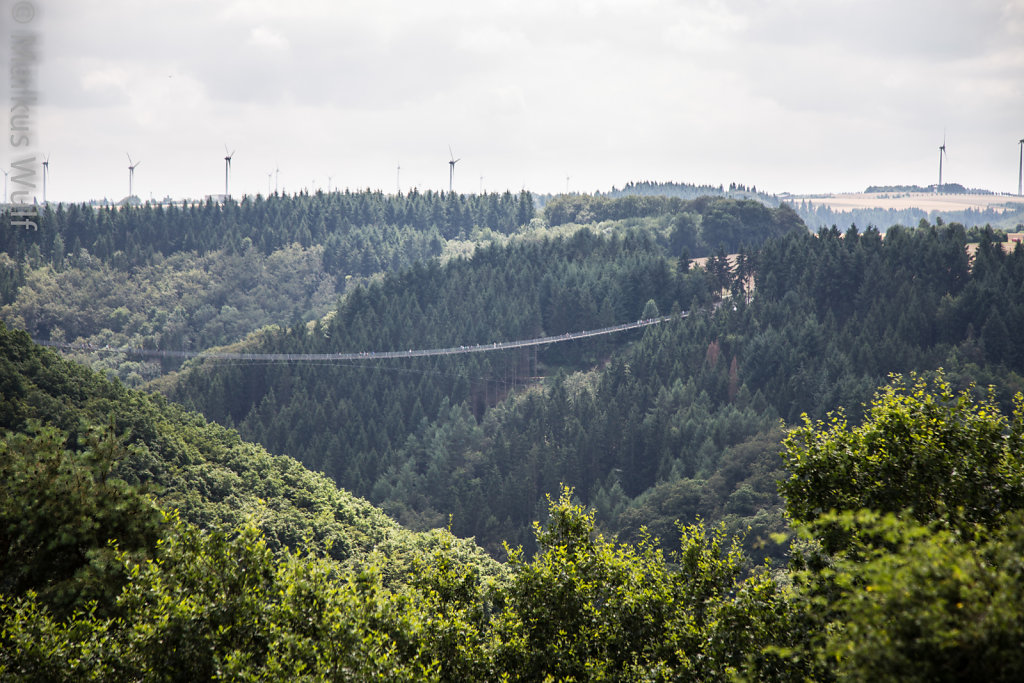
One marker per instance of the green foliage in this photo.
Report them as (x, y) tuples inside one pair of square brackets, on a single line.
[(184, 301), (943, 456), (674, 426), (915, 602), (457, 604), (206, 472), (370, 230), (60, 509), (205, 275), (698, 226), (223, 606), (407, 434), (937, 599), (650, 310), (589, 609), (216, 606), (829, 317), (910, 565), (12, 276)]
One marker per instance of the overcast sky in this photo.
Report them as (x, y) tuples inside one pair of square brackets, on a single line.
[(788, 95)]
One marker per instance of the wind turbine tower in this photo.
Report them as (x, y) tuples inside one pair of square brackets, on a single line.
[(942, 153), (1020, 172), (227, 170), (451, 168), (398, 179), (46, 172), (5, 183), (131, 174)]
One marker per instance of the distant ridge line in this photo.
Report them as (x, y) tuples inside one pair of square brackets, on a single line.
[(362, 355)]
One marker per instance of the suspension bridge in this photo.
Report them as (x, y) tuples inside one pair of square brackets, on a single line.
[(360, 355)]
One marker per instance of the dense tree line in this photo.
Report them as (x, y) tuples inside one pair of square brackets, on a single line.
[(359, 222), (195, 276), (698, 226), (680, 190), (913, 300)]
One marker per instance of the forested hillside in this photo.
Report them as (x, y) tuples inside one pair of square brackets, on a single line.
[(914, 573), (354, 420), (195, 276), (682, 423), (87, 432), (358, 222), (185, 301), (696, 227), (679, 422), (684, 191), (140, 541)]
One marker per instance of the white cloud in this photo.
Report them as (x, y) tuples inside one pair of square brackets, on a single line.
[(263, 37), (785, 94)]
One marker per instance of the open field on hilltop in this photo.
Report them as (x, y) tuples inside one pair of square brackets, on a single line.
[(926, 201)]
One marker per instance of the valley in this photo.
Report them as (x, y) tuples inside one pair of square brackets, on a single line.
[(424, 410)]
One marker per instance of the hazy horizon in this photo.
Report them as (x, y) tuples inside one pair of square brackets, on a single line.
[(794, 96)]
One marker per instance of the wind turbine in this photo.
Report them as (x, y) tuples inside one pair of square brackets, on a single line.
[(451, 168), (5, 183), (276, 171), (46, 172), (942, 153), (131, 174), (227, 169), (398, 179), (1020, 172), (269, 176)]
